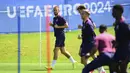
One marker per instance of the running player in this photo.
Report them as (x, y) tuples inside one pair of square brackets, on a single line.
[(80, 9), (59, 24), (122, 33), (89, 50), (105, 45), (87, 47)]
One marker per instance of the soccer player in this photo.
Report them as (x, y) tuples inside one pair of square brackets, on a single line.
[(105, 44), (59, 24), (89, 36), (122, 34), (80, 9)]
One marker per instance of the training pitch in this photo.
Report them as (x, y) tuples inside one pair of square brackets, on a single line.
[(30, 58)]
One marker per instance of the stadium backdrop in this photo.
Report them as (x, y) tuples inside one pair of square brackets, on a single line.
[(32, 10)]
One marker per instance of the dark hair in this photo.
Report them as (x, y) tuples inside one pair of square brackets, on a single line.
[(81, 7), (119, 7), (102, 28)]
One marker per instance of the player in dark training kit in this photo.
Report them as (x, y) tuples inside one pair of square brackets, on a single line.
[(87, 48), (80, 9), (105, 44), (88, 36), (122, 33), (59, 24)]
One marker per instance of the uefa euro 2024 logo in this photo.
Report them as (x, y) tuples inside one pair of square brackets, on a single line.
[(65, 10)]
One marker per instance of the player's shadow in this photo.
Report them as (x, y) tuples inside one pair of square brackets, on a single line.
[(57, 69), (38, 70)]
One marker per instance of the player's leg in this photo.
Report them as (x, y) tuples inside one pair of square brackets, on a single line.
[(84, 53), (123, 66), (84, 60), (55, 56), (114, 67), (116, 58), (122, 57), (56, 49), (97, 62), (93, 55), (64, 51), (67, 54)]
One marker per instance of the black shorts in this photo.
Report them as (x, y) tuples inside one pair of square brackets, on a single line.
[(60, 41), (86, 48)]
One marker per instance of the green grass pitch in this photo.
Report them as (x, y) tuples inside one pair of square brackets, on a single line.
[(30, 53)]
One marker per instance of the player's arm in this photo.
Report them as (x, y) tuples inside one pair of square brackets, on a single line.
[(79, 51), (63, 22), (64, 26), (79, 36), (126, 30), (79, 26), (94, 25), (114, 43), (51, 24), (90, 29), (114, 24)]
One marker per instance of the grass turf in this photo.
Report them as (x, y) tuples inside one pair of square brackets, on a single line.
[(30, 53)]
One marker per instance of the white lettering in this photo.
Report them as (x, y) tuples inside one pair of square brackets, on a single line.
[(75, 8), (29, 10), (11, 14), (87, 5), (67, 10), (100, 5), (93, 7), (61, 11), (108, 6), (38, 12), (46, 10), (22, 11), (49, 7)]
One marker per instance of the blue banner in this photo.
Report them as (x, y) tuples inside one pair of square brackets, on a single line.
[(32, 10)]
